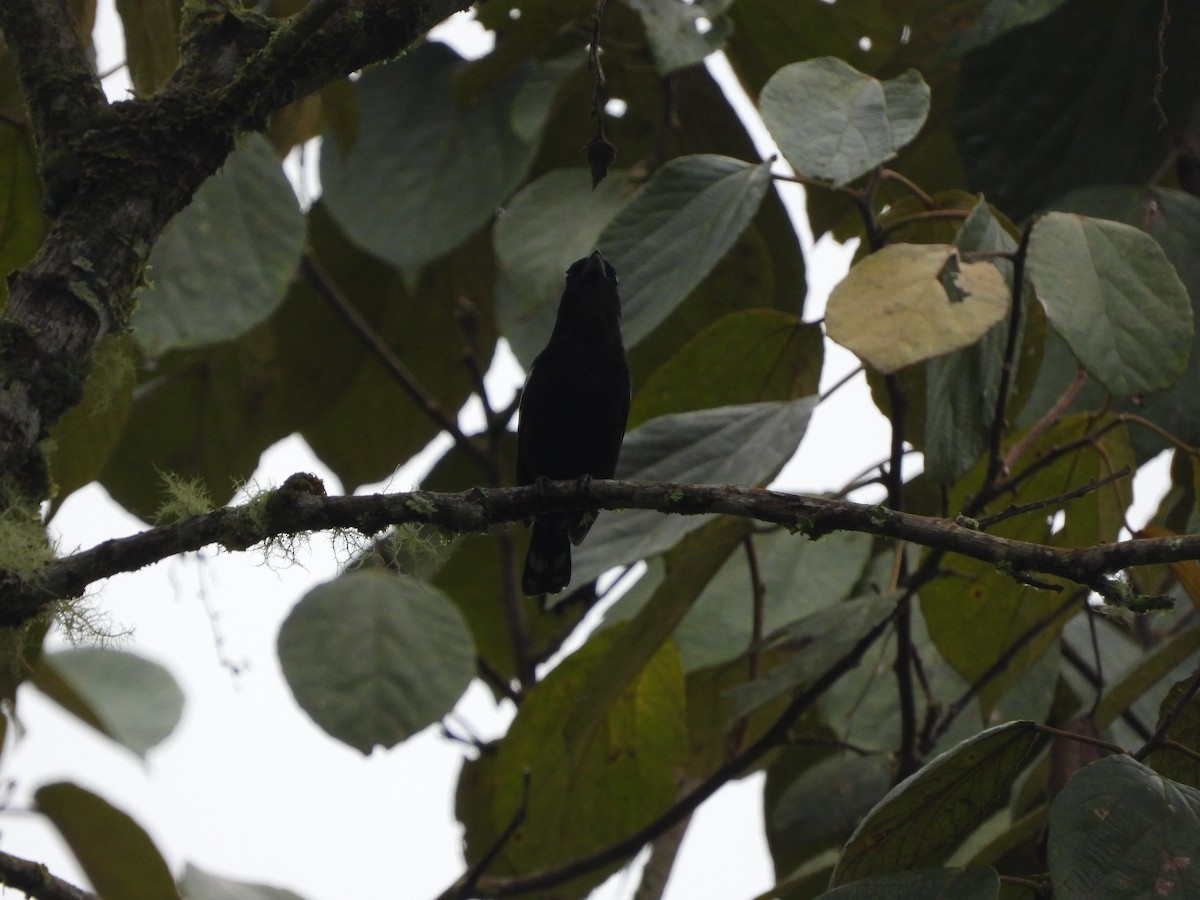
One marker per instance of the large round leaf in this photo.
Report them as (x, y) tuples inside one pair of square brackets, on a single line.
[(429, 168), (224, 263), (374, 657), (130, 699), (1121, 830), (1111, 293), (835, 123), (913, 302)]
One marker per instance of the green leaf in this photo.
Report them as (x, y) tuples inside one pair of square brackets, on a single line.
[(125, 697), (912, 302), (813, 644), (586, 791), (834, 123), (374, 657), (224, 263), (1121, 830), (687, 569), (732, 444), (921, 820), (745, 357), (1110, 292), (545, 227), (931, 884), (800, 577), (196, 884), (151, 41), (1043, 110), (1173, 219), (997, 18), (961, 389), (673, 30), (428, 170), (825, 802), (675, 231), (114, 851)]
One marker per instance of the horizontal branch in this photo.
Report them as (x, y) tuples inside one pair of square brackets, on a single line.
[(34, 880), (300, 506)]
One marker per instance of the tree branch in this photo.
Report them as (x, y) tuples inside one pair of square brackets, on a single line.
[(298, 507), (116, 175), (35, 881)]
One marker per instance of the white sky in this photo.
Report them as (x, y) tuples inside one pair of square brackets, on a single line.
[(248, 787)]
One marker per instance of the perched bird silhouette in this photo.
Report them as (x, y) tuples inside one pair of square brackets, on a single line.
[(573, 413)]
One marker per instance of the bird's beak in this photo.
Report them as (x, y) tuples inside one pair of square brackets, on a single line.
[(595, 265)]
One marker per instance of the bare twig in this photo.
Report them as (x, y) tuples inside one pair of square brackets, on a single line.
[(35, 881), (1079, 738), (1044, 424), (465, 886), (400, 373), (997, 668), (997, 465), (928, 215), (986, 522), (1169, 720), (913, 187)]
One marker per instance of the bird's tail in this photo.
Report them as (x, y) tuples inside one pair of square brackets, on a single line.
[(548, 563)]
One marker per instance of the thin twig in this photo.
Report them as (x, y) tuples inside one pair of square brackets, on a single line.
[(496, 681), (997, 464), (986, 522), (1062, 735), (34, 880), (1168, 744), (980, 500), (1048, 420), (893, 175), (465, 886), (758, 593), (840, 383), (928, 215), (341, 305), (1172, 716), (997, 668)]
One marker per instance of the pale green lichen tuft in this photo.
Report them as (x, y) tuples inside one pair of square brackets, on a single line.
[(185, 497), (24, 544), (84, 624)]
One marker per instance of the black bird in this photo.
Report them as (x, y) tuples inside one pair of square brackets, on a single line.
[(573, 413)]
